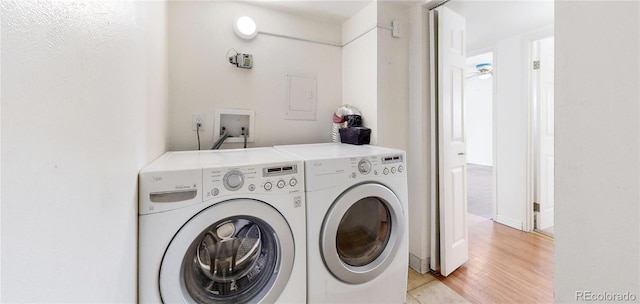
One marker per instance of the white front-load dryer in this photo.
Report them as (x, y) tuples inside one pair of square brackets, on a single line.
[(224, 226), (357, 223)]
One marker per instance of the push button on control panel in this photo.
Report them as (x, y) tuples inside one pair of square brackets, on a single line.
[(252, 187), (400, 168), (293, 182), (281, 184), (393, 170), (215, 191), (385, 171), (268, 186)]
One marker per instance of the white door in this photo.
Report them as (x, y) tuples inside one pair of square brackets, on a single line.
[(545, 133), (452, 179), (236, 251), (362, 233)]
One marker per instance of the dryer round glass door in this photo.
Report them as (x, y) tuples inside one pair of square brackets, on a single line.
[(236, 251), (362, 232)]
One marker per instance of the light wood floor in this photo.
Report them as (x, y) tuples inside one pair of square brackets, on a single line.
[(505, 265)]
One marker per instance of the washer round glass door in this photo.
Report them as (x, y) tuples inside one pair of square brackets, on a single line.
[(237, 251), (361, 233)]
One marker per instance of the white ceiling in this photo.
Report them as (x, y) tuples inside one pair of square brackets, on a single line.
[(332, 9), (338, 10), (487, 20), (490, 21)]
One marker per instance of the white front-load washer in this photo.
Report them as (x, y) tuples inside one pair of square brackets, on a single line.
[(357, 223), (223, 226)]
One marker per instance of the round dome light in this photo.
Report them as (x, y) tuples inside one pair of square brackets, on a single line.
[(245, 27)]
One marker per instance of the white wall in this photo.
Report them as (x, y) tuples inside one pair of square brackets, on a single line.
[(597, 180), (1, 9), (360, 66), (201, 78), (419, 150), (478, 113), (78, 80), (511, 131), (376, 79), (393, 77), (157, 81), (376, 72)]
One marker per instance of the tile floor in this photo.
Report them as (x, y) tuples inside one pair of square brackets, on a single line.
[(425, 288)]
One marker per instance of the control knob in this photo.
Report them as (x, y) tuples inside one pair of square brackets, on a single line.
[(364, 166), (233, 180)]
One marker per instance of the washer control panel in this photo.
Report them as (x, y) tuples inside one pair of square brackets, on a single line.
[(275, 178), (387, 165)]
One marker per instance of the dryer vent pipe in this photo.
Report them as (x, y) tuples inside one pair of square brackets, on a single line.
[(339, 122)]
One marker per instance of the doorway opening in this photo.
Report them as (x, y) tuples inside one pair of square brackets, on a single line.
[(478, 107), (510, 179)]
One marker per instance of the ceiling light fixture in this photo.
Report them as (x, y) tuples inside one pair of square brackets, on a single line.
[(485, 70), (245, 27)]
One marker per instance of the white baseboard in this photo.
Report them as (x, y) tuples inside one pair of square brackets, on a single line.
[(418, 264), (509, 222)]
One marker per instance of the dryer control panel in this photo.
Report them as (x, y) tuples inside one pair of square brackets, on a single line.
[(326, 173), (376, 165), (282, 178)]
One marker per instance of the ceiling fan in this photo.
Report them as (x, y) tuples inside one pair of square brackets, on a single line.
[(485, 70)]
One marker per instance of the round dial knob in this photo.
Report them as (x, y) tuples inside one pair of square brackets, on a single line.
[(233, 180), (364, 166)]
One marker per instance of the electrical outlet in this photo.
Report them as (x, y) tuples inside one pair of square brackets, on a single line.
[(197, 119), (395, 29)]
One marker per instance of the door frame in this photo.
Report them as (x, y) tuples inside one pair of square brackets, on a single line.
[(527, 42)]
